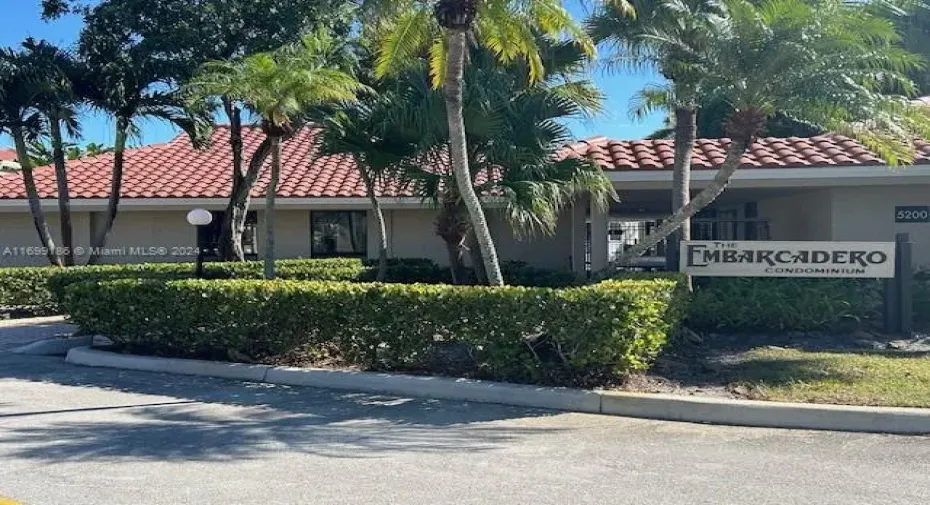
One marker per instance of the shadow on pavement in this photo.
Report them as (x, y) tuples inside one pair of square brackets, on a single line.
[(194, 418), (17, 332)]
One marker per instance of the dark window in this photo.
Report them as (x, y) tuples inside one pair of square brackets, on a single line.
[(339, 233), (208, 237)]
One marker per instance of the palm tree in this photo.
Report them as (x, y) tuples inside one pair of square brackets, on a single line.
[(94, 149), (912, 19), (123, 79), (19, 117), (671, 36), (442, 28), (713, 114), (57, 102), (277, 87), (828, 64), (367, 131), (40, 153), (514, 132)]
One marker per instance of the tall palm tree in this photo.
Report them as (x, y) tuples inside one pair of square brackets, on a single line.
[(277, 87), (19, 117), (830, 64), (442, 28), (671, 36), (514, 131), (57, 102), (124, 79)]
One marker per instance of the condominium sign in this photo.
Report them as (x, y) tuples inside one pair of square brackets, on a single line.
[(788, 259)]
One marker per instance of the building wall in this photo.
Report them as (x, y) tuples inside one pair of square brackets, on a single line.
[(165, 236), (553, 252), (803, 216), (17, 232), (149, 236), (411, 235), (292, 233), (867, 214)]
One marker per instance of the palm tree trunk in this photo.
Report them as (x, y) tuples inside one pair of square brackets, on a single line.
[(685, 136), (270, 194), (116, 186), (379, 219), (477, 262), (452, 227), (237, 210), (230, 242), (452, 90), (64, 198), (35, 204), (732, 161), (456, 254)]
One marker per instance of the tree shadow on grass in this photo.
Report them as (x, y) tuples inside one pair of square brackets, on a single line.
[(723, 366), (784, 371), (194, 418)]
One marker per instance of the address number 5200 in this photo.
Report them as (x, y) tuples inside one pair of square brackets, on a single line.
[(912, 214)]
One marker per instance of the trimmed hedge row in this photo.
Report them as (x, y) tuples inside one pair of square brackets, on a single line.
[(40, 288), (740, 305), (719, 305), (587, 335)]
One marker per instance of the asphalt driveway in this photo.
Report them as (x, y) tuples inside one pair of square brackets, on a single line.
[(80, 435)]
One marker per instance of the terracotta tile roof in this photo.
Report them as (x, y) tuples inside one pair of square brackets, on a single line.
[(771, 152), (7, 154), (177, 170)]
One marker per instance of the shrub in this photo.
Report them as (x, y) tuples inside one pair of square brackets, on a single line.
[(40, 288), (583, 335), (519, 273), (27, 289), (779, 304), (922, 299)]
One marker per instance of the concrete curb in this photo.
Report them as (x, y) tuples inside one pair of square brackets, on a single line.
[(90, 357), (648, 406)]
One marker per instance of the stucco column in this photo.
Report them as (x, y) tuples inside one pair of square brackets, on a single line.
[(579, 234), (599, 243)]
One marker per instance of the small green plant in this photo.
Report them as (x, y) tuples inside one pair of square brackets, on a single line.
[(777, 305)]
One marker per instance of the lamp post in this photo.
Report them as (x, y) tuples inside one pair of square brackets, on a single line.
[(198, 218)]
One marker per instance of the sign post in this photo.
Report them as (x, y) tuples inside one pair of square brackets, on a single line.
[(890, 261), (899, 295)]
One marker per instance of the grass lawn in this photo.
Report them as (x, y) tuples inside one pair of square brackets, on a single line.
[(841, 377)]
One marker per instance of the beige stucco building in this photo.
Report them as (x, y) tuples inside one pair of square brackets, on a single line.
[(824, 188)]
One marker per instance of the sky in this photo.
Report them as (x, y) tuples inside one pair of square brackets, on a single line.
[(21, 19)]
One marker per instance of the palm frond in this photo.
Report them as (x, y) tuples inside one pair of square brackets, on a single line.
[(402, 40)]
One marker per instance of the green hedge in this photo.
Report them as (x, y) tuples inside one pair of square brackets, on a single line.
[(582, 336), (27, 289), (775, 304), (40, 288)]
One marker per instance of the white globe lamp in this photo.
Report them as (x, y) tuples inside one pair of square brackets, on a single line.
[(198, 218)]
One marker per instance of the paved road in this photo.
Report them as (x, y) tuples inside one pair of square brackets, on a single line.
[(72, 435), (18, 332)]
